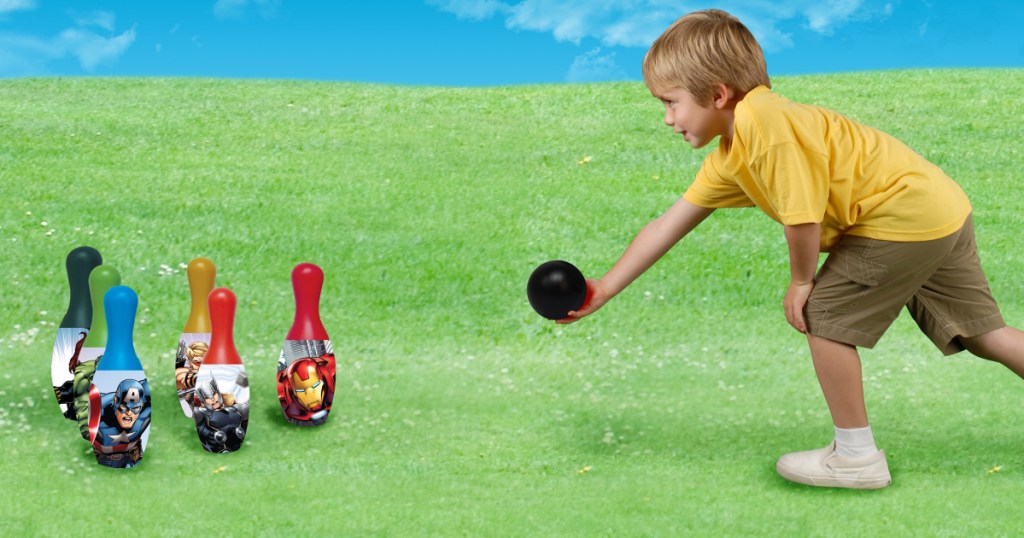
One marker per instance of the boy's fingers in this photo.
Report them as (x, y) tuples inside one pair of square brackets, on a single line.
[(573, 317), (795, 318)]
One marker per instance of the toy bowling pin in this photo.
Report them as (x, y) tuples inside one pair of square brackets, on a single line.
[(305, 371), (101, 279), (73, 328), (119, 404), (221, 398), (195, 337)]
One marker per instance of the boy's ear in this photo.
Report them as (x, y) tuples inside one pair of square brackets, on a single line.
[(721, 95)]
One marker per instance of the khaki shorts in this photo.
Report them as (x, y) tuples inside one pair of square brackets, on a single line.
[(864, 283)]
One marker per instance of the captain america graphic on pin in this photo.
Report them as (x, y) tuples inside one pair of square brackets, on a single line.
[(117, 428)]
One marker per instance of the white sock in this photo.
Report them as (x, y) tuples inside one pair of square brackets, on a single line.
[(855, 443)]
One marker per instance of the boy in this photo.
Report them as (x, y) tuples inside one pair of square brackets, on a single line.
[(897, 230)]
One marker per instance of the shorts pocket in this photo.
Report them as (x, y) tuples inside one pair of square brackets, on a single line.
[(851, 262)]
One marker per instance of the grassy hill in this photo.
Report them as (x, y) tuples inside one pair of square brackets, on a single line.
[(459, 411)]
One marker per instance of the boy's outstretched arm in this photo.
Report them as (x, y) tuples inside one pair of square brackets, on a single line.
[(804, 241), (649, 245)]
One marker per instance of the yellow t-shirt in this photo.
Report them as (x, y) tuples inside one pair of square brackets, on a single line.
[(801, 164)]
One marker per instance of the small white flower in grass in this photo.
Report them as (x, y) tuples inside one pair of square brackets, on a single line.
[(44, 223)]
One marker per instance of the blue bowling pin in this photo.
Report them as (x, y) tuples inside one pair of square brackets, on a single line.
[(119, 402)]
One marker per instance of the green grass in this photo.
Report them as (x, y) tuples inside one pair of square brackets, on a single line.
[(459, 411)]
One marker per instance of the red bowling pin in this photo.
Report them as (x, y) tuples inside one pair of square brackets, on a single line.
[(220, 403), (305, 371)]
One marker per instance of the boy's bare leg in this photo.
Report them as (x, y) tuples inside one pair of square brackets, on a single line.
[(843, 463), (1005, 346), (838, 368)]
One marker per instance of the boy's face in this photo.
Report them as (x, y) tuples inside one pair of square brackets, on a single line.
[(699, 124)]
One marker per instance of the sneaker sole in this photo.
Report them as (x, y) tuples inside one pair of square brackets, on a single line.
[(832, 482)]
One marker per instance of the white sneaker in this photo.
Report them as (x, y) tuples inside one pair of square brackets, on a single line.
[(825, 467)]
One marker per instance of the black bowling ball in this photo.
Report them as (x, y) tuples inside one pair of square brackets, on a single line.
[(556, 288)]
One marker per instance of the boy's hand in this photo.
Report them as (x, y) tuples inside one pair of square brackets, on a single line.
[(596, 298), (803, 241), (796, 298)]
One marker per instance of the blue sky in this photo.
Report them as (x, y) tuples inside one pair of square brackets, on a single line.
[(481, 42)]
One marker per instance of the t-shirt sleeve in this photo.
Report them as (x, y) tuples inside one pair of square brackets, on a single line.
[(796, 181), (711, 189)]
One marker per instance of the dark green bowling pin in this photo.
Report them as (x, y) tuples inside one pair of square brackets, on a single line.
[(73, 328)]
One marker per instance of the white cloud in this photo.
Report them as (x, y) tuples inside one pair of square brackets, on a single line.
[(474, 10), (92, 49), (22, 54), (7, 6), (822, 17), (102, 19), (636, 23), (594, 66), (237, 9)]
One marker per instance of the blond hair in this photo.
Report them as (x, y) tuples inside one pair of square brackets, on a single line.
[(197, 350), (704, 48)]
